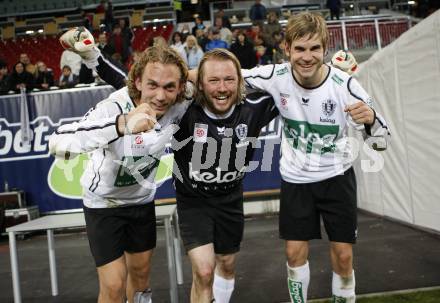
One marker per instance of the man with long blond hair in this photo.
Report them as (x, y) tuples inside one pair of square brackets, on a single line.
[(121, 135), (317, 103), (210, 194)]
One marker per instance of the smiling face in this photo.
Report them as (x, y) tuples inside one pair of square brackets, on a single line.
[(220, 85), (306, 55), (159, 86)]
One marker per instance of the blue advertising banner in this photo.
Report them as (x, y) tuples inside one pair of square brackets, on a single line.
[(54, 187)]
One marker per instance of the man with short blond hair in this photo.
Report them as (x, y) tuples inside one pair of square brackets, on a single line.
[(317, 103)]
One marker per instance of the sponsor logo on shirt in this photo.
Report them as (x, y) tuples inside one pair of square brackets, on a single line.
[(337, 79), (223, 131), (218, 177), (200, 132), (282, 71), (305, 101), (127, 107), (138, 140), (311, 138), (284, 100)]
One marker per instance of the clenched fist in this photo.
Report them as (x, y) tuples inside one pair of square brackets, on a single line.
[(141, 119), (361, 113)]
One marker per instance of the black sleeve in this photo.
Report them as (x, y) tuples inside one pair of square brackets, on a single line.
[(264, 104), (111, 73)]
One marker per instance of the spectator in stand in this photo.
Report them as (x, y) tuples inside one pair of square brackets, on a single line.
[(198, 25), (127, 39), (193, 52), (258, 12), (103, 46), (67, 79), (335, 8), (216, 42), (273, 25), (43, 76), (29, 67), (202, 38), (177, 44), (87, 20), (109, 21), (185, 32), (244, 51), (71, 59), (279, 54), (257, 31), (264, 51), (4, 79), (135, 58), (225, 19), (225, 33), (159, 41), (100, 9), (20, 78)]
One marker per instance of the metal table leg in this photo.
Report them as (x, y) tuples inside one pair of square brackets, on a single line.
[(52, 263), (14, 267), (171, 259), (177, 250)]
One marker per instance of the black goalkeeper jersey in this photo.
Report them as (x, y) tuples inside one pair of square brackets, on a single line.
[(214, 161)]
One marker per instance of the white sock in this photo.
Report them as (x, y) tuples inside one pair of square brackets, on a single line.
[(344, 287), (298, 279), (222, 289), (143, 296)]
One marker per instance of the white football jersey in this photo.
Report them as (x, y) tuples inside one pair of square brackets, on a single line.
[(314, 144), (121, 170)]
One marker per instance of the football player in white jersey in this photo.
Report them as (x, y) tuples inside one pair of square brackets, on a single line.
[(317, 103), (125, 135)]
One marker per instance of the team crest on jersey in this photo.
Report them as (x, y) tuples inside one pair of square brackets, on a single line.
[(328, 107), (241, 131), (200, 132)]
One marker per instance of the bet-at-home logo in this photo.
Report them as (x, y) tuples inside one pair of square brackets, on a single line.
[(12, 147)]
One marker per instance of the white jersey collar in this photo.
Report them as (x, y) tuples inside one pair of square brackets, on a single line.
[(216, 116)]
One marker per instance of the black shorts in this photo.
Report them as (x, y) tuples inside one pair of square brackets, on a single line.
[(301, 206), (112, 231), (202, 222)]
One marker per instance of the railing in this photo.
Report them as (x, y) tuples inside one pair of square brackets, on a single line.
[(367, 32)]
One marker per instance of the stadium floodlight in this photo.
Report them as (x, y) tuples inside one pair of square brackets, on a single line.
[(194, 1), (40, 31), (411, 2), (29, 32)]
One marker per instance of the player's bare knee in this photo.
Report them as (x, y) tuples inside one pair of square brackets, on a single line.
[(113, 288), (296, 256), (226, 266), (204, 275), (344, 258), (139, 272)]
